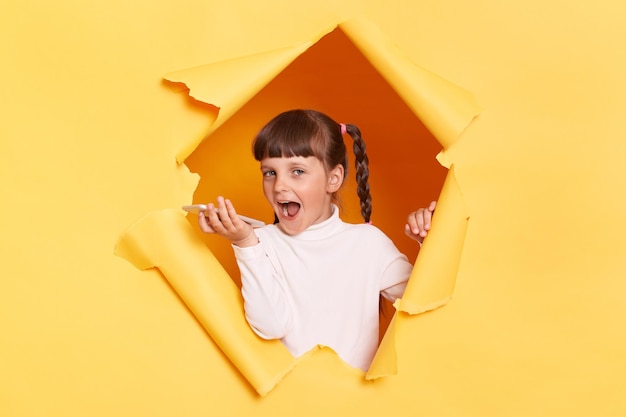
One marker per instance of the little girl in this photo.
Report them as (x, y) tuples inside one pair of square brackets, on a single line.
[(311, 278)]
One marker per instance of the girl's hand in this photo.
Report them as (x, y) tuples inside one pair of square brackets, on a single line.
[(223, 220), (418, 222)]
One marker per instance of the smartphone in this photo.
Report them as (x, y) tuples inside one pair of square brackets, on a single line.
[(197, 208)]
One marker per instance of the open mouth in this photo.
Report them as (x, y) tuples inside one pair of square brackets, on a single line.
[(290, 208)]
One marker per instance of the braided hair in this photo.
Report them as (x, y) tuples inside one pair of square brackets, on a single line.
[(362, 171), (312, 133)]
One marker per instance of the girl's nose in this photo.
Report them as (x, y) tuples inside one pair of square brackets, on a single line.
[(280, 184)]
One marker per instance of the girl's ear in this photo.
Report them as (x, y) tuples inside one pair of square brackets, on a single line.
[(335, 179)]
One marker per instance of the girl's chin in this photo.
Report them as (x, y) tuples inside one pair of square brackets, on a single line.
[(290, 227)]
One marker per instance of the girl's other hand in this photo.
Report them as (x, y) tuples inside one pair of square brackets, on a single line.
[(223, 220), (418, 222)]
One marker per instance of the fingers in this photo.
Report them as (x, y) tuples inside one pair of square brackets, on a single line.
[(427, 216), (409, 233), (221, 219), (203, 222), (208, 219), (418, 223), (228, 215), (223, 214)]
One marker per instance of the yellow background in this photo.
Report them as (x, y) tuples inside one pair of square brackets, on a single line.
[(89, 138)]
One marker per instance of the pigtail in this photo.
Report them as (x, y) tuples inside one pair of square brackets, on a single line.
[(362, 171), (363, 187)]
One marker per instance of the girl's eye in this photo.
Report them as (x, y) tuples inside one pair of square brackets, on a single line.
[(298, 172), (269, 173)]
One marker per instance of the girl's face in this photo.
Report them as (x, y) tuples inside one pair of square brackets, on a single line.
[(300, 190)]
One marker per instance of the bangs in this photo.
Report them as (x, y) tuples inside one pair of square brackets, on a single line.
[(287, 135)]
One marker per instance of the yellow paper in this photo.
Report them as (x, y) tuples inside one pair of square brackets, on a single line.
[(91, 132), (434, 274), (166, 241), (232, 83), (445, 109)]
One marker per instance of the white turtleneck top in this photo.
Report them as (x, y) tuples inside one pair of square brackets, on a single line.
[(322, 286)]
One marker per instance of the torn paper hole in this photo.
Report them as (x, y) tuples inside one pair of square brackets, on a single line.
[(353, 74)]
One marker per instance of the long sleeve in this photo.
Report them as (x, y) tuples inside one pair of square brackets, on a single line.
[(402, 269), (264, 289), (322, 286), (396, 272)]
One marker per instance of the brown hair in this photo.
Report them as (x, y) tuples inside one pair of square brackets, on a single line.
[(312, 133)]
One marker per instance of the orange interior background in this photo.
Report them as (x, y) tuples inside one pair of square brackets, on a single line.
[(333, 77)]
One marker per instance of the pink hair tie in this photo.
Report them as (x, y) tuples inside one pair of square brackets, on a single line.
[(343, 128)]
